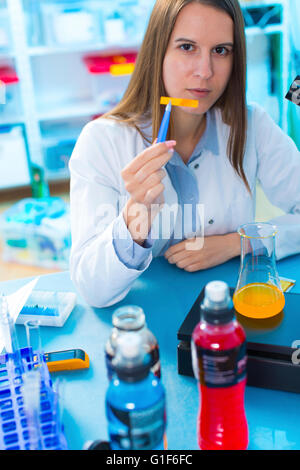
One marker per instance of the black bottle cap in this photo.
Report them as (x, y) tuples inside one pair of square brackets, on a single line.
[(217, 307), (218, 317), (133, 374), (131, 363)]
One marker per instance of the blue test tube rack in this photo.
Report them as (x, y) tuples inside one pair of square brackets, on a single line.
[(14, 433)]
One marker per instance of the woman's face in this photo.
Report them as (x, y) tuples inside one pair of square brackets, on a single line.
[(199, 56)]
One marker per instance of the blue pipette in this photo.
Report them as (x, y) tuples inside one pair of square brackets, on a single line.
[(163, 130)]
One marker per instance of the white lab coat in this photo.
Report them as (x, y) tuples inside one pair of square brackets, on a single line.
[(105, 147)]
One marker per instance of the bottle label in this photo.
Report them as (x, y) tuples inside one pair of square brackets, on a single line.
[(219, 369), (138, 429)]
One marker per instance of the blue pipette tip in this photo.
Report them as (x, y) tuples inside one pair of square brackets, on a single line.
[(163, 130), (169, 106)]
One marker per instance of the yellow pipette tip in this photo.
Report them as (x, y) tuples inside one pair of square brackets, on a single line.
[(179, 102)]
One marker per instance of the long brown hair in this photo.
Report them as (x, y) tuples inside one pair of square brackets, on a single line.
[(141, 100)]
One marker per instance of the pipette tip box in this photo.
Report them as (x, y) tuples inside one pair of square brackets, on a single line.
[(47, 307)]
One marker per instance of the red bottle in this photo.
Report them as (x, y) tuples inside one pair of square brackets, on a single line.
[(219, 363)]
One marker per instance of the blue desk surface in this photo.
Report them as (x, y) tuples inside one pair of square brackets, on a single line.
[(166, 294)]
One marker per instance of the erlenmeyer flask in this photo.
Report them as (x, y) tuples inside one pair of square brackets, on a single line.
[(258, 293)]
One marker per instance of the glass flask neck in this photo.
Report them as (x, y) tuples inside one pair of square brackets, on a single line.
[(258, 248), (129, 318)]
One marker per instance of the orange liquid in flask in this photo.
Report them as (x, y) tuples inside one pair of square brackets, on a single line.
[(259, 300)]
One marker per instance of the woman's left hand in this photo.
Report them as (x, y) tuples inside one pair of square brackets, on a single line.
[(193, 255)]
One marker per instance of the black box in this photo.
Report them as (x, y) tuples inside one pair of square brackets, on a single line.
[(293, 94), (273, 357)]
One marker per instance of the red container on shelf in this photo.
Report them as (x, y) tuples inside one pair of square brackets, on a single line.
[(110, 76), (97, 64), (8, 75), (9, 98)]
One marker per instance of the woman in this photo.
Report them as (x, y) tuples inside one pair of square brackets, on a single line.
[(133, 199)]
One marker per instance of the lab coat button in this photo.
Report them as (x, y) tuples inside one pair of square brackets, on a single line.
[(211, 221), (196, 166)]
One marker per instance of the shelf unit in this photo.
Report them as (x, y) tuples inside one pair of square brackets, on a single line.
[(279, 37), (52, 93)]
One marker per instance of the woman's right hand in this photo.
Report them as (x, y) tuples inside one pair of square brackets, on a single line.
[(143, 181)]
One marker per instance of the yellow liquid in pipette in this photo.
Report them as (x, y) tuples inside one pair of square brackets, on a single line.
[(259, 300)]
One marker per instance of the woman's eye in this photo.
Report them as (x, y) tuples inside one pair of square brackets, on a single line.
[(186, 47), (222, 50)]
